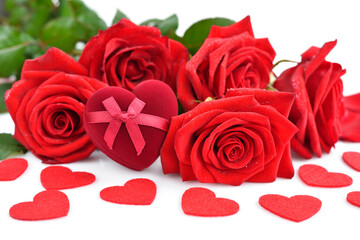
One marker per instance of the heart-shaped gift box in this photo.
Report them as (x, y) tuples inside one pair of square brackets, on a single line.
[(130, 127)]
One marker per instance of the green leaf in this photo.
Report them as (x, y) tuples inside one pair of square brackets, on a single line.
[(63, 33), (18, 16), (174, 36), (10, 4), (118, 16), (196, 34), (12, 50), (41, 14), (92, 22), (151, 22), (66, 9), (77, 10), (3, 88), (34, 51), (9, 146), (29, 16), (167, 26), (13, 5)]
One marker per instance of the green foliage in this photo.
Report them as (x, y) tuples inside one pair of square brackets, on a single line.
[(90, 22), (29, 16), (3, 88), (41, 14), (63, 33), (35, 25), (167, 26), (118, 16), (12, 50), (9, 146), (196, 34)]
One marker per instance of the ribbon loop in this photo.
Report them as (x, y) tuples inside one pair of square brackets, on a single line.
[(132, 119)]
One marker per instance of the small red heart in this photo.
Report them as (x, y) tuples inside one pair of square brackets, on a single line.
[(296, 208), (203, 202), (12, 168), (160, 102), (46, 205), (135, 192), (59, 177), (354, 198), (352, 159), (314, 175)]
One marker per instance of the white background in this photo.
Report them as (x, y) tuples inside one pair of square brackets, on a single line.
[(292, 27)]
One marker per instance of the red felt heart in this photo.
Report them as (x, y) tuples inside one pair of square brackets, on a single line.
[(160, 101), (12, 168), (135, 192), (59, 177), (317, 176), (354, 198), (46, 205), (352, 159), (297, 208), (203, 202)]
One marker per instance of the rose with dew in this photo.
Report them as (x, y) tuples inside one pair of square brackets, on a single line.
[(242, 137), (47, 105), (126, 54), (230, 57), (318, 105)]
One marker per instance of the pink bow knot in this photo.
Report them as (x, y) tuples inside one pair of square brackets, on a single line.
[(132, 119), (124, 116)]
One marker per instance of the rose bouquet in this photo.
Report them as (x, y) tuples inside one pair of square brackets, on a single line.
[(235, 122)]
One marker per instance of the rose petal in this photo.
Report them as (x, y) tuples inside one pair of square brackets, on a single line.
[(286, 169), (185, 135), (318, 58), (93, 54), (169, 160), (248, 122), (234, 177), (228, 31), (15, 96), (185, 91), (85, 152), (352, 102), (301, 113), (350, 121), (281, 101), (54, 60), (39, 76), (198, 167), (180, 55)]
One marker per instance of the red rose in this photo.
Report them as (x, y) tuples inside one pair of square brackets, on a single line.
[(317, 107), (350, 119), (126, 54), (231, 57), (242, 137), (47, 107)]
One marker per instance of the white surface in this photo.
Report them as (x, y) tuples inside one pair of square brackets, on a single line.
[(292, 27)]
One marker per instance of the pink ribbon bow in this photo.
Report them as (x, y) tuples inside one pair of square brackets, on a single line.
[(132, 119)]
